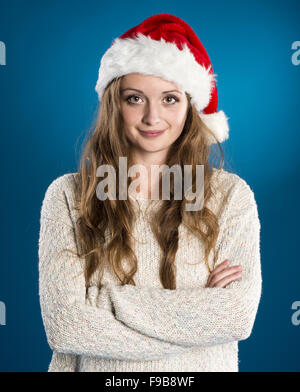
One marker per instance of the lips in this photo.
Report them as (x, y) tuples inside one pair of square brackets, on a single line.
[(151, 132)]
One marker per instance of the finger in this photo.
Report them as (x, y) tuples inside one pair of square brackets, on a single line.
[(222, 274), (219, 268), (229, 279), (222, 265)]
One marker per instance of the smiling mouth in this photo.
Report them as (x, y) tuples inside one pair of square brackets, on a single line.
[(151, 133)]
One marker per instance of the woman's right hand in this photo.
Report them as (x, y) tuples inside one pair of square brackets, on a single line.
[(222, 275)]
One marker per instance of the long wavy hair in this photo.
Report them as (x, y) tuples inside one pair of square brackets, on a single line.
[(104, 227)]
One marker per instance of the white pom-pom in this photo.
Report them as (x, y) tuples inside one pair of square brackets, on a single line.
[(218, 124)]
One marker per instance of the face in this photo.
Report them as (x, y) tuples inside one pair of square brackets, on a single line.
[(149, 103)]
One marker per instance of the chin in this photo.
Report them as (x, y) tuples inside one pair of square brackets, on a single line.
[(155, 149)]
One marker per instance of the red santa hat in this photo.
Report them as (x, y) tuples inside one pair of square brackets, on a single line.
[(164, 45)]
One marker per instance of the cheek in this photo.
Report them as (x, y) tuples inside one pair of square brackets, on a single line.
[(178, 118), (130, 116)]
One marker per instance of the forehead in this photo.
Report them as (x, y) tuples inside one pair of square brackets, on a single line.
[(147, 83)]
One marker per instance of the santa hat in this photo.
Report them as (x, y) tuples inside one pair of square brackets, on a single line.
[(164, 45)]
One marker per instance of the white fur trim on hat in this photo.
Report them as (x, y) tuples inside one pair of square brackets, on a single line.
[(218, 124), (159, 58)]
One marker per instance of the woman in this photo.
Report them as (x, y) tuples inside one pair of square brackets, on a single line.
[(140, 283)]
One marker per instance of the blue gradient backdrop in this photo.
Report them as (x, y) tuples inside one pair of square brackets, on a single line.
[(47, 103)]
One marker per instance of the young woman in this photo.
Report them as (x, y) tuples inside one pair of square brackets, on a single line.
[(138, 283)]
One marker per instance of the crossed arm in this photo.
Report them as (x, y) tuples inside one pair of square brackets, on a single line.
[(204, 316)]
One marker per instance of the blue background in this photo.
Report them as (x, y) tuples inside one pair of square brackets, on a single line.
[(48, 102)]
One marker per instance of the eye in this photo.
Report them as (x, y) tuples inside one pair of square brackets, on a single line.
[(132, 96), (173, 97)]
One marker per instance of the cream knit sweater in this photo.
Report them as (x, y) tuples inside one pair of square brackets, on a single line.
[(147, 328)]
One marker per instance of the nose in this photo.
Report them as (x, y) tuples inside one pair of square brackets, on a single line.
[(151, 115)]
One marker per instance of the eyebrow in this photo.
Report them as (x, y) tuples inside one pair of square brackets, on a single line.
[(164, 92)]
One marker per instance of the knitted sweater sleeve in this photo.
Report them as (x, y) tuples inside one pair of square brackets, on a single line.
[(74, 324), (205, 316)]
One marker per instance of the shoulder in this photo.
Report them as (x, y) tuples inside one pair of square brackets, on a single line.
[(60, 191), (232, 189), (62, 183)]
